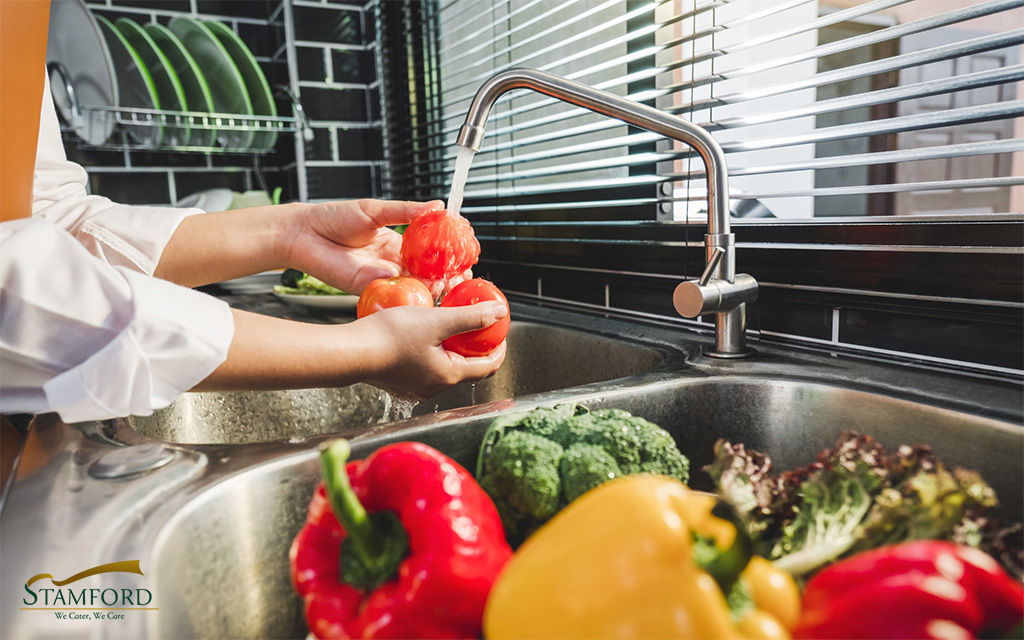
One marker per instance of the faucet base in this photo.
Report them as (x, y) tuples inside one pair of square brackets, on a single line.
[(746, 352)]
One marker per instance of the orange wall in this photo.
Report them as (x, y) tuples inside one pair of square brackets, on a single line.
[(23, 25)]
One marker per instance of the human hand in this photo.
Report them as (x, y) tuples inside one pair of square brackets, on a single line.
[(347, 244), (410, 360)]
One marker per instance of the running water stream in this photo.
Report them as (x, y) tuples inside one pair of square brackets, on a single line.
[(396, 408), (462, 164)]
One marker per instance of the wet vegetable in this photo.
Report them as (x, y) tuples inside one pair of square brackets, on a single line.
[(533, 464), (920, 589), (854, 497), (482, 341), (416, 551), (640, 557), (392, 292)]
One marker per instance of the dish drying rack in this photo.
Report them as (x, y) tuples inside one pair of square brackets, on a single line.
[(123, 139), (125, 119)]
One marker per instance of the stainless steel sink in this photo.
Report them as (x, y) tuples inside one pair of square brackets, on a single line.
[(540, 358), (212, 523), (236, 535)]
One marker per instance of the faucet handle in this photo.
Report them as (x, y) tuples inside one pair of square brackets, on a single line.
[(709, 270), (713, 295)]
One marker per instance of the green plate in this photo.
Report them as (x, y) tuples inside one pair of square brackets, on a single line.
[(255, 81), (168, 87), (197, 92), (226, 84), (134, 84)]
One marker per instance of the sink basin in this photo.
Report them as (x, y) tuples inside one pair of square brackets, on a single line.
[(220, 563), (211, 516), (540, 358)]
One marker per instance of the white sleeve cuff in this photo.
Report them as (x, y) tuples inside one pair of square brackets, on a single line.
[(175, 339), (121, 235)]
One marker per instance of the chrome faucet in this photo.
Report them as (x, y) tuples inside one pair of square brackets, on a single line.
[(720, 290)]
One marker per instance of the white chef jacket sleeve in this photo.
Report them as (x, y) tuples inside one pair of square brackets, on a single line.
[(121, 235), (91, 341)]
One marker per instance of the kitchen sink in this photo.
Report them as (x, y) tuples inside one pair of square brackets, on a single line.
[(209, 493), (540, 358), (236, 535)]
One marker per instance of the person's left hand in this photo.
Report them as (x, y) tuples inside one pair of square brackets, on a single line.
[(348, 245)]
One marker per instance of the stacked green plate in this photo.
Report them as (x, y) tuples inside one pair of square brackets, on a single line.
[(165, 78), (197, 92), (227, 88), (135, 85), (255, 81)]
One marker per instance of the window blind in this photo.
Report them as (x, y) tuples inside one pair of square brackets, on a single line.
[(825, 108)]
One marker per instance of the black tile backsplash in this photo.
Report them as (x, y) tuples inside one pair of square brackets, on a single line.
[(994, 341), (510, 278), (339, 182), (781, 314), (353, 66), (575, 287), (260, 9), (311, 64), (321, 147), (375, 105), (93, 157), (328, 25), (644, 295), (159, 159), (347, 105), (262, 42), (131, 188), (360, 144), (183, 6)]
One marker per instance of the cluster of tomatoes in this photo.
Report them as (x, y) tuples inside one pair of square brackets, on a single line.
[(439, 248)]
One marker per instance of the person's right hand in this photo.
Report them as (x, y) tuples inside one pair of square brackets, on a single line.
[(410, 360)]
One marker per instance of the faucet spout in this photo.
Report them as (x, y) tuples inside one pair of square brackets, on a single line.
[(728, 303), (472, 132)]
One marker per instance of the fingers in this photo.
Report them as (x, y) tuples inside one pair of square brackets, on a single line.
[(457, 320), (480, 367), (386, 213)]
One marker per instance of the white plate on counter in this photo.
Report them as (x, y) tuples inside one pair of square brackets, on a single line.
[(346, 302)]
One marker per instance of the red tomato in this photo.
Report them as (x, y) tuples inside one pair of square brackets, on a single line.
[(437, 246), (481, 341), (392, 292)]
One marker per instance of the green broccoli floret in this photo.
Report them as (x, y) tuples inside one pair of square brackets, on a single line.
[(583, 467), (521, 476), (533, 464)]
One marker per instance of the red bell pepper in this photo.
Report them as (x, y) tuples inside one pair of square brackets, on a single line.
[(920, 589), (418, 546)]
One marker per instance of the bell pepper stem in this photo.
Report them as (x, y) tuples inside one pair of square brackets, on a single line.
[(346, 506)]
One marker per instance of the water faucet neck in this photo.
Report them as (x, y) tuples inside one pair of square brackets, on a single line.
[(721, 294)]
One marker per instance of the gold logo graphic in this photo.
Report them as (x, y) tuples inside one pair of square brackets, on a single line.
[(124, 566), (102, 602)]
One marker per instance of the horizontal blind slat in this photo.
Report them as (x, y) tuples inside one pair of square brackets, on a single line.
[(903, 61), (474, 82), (882, 35), (967, 149), (882, 96), (1010, 109), (935, 185), (918, 90)]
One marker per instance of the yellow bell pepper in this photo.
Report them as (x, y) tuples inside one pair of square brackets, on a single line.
[(619, 563)]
